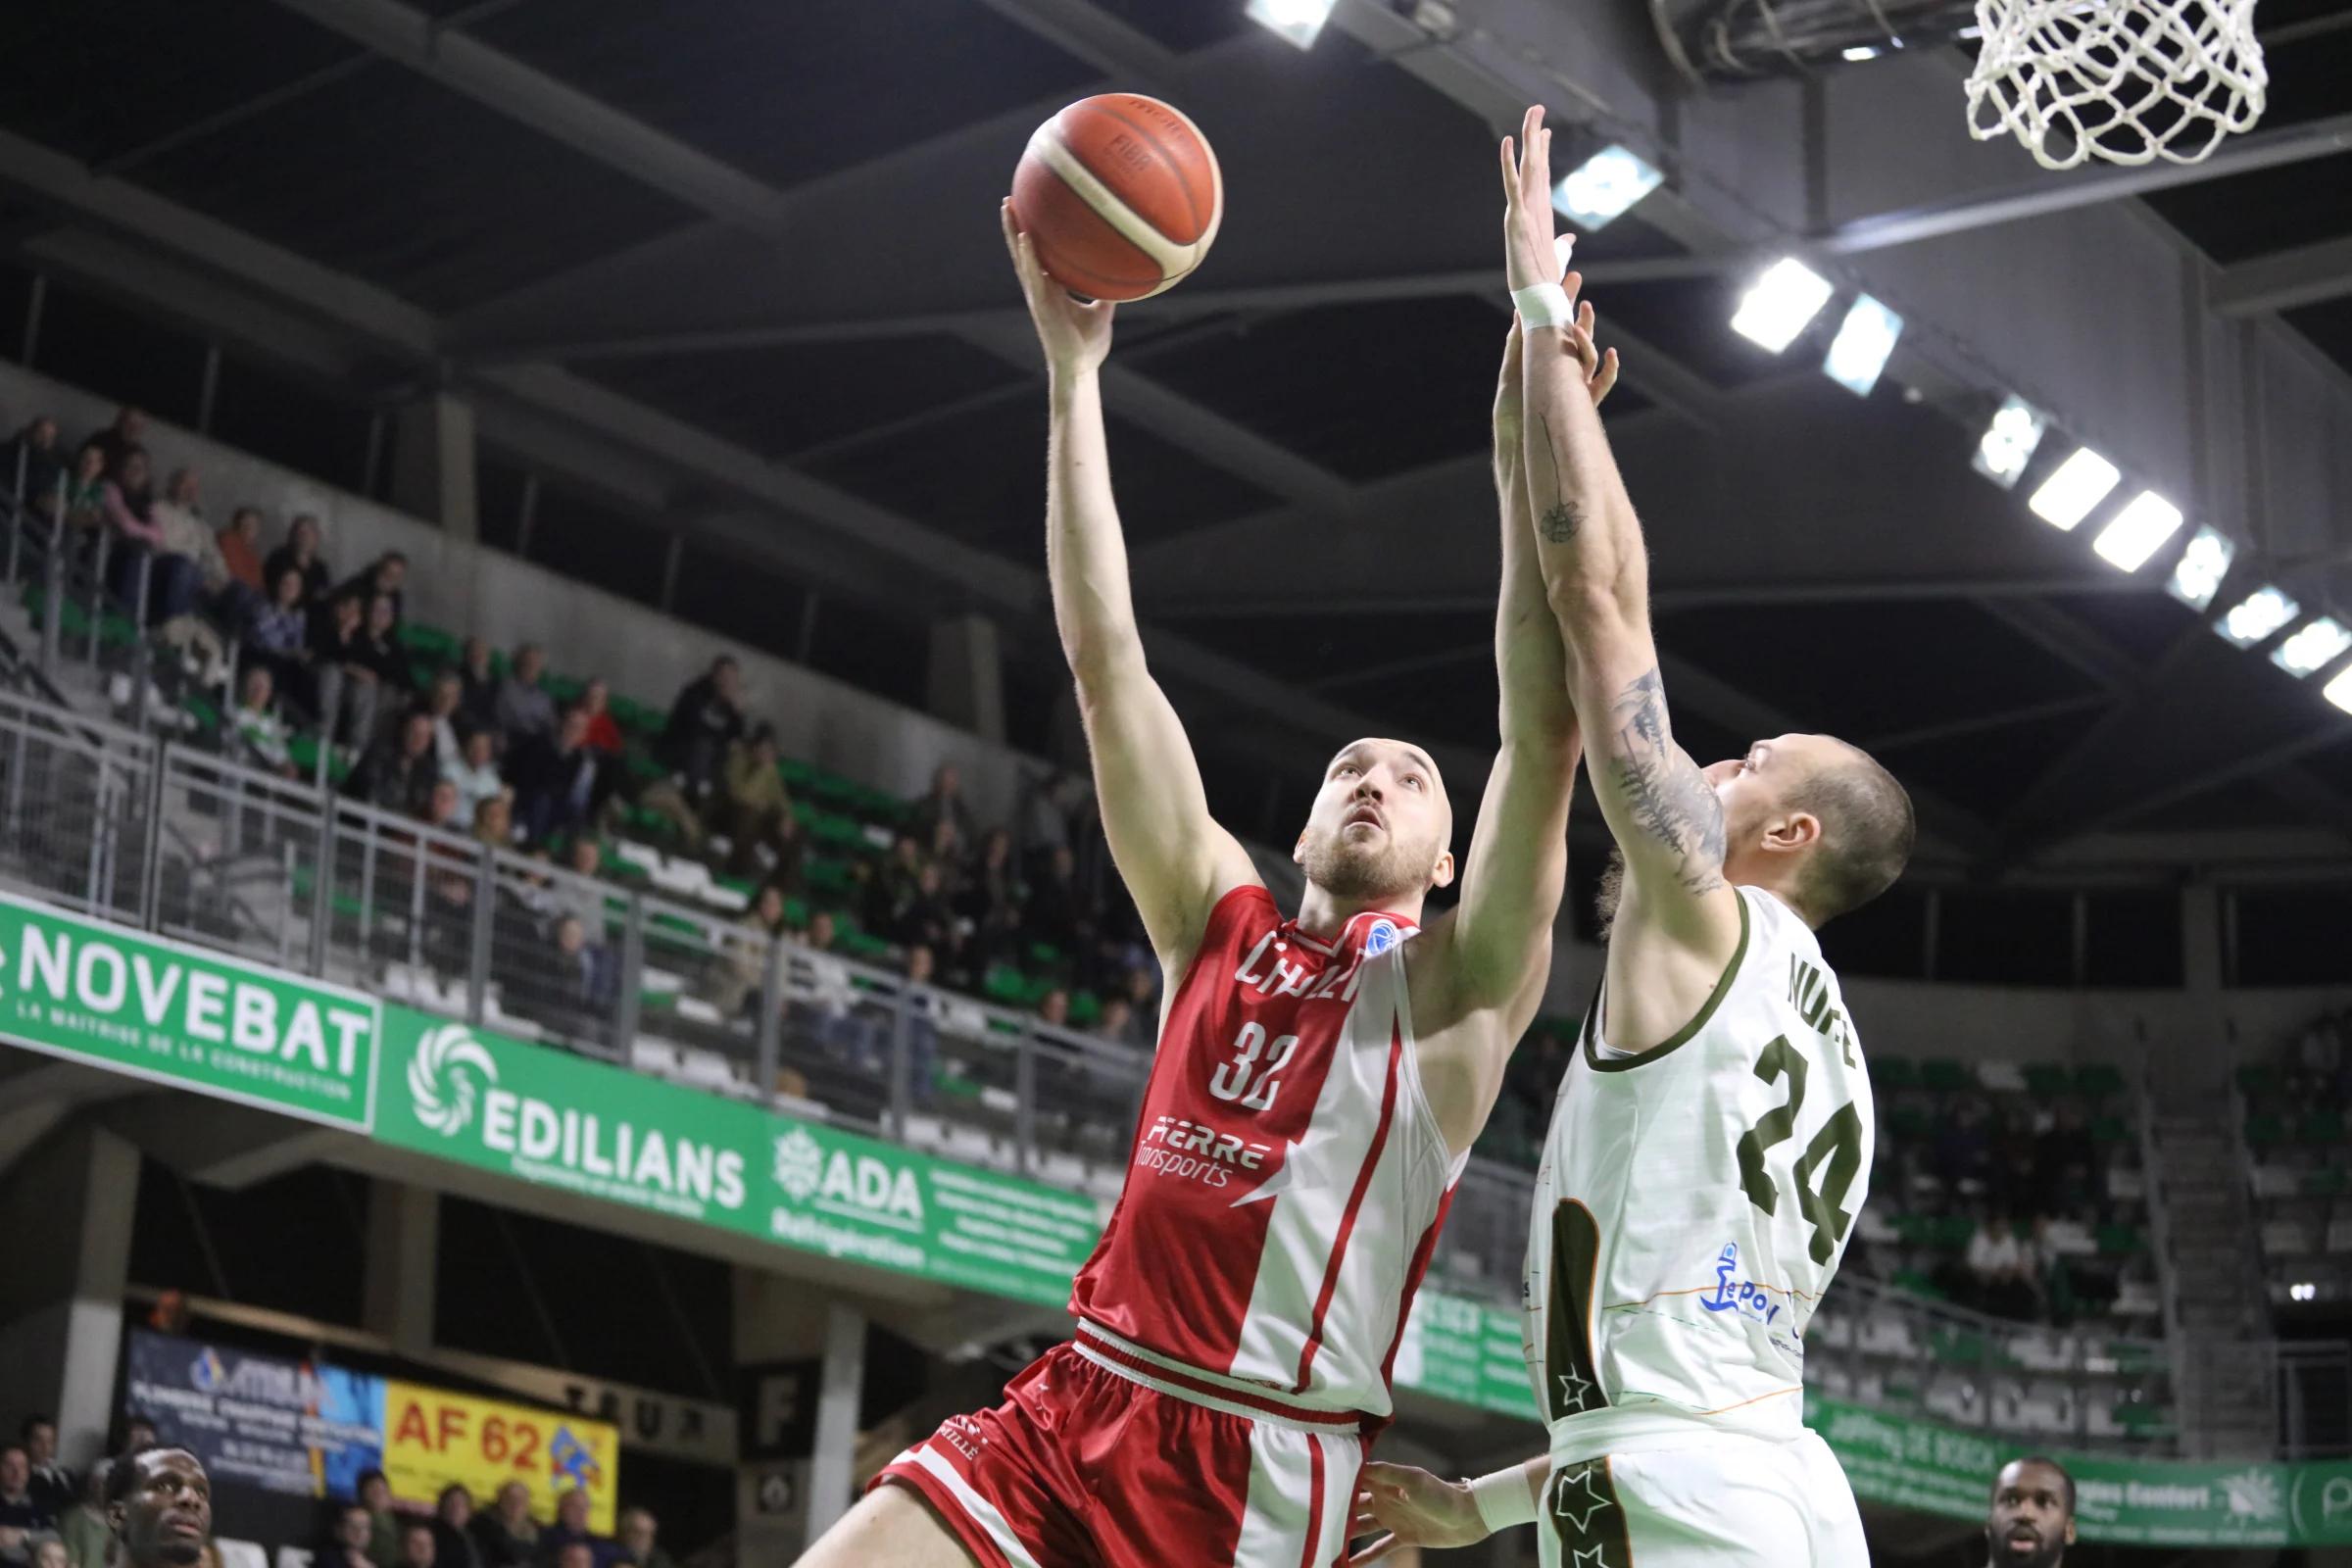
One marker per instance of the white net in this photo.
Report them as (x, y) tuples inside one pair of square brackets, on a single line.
[(2124, 80)]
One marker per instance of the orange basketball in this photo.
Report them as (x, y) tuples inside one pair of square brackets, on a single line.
[(1121, 196)]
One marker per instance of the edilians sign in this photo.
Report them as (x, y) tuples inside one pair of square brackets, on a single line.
[(551, 1118), (184, 1017)]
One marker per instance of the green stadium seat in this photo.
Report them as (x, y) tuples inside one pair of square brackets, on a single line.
[(2265, 1132), (1085, 1008), (1894, 1072), (796, 911), (2110, 1130), (2258, 1080), (2121, 1241), (2330, 1181), (1953, 1233), (864, 946), (1945, 1076), (2045, 1079), (2322, 1128), (2099, 1079)]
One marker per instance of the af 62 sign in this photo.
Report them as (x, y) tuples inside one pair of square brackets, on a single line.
[(433, 1438)]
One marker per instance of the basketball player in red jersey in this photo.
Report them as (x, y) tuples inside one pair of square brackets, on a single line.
[(1317, 1087)]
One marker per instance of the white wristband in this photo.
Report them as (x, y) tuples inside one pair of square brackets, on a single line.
[(1543, 305), (1503, 1500)]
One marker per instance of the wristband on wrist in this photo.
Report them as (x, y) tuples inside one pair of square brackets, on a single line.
[(1503, 1500), (1543, 305)]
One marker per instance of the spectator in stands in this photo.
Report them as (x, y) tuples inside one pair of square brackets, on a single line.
[(574, 1554), (741, 970), (569, 1530), (129, 430), (53, 1485), (1046, 820), (128, 504), (604, 731), (889, 887), (257, 734), (1117, 1023), (139, 1432), (757, 807), (990, 902), (943, 802), (1999, 1268), (345, 674), (453, 1546), (20, 1512), (240, 547), (347, 1545), (276, 631), (479, 702), (382, 647), (417, 1547), (47, 1549), (82, 1527), (33, 464), (926, 918), (1053, 1008), (506, 1535), (833, 998), (178, 513), (555, 779), (638, 1547), (2062, 1160), (704, 721), (1059, 912), (1963, 1147), (398, 773), (592, 974), (2031, 1521), (923, 1024), (494, 820), (86, 490), (441, 704), (300, 553), (384, 1525), (385, 577), (584, 898), (476, 776), (522, 709)]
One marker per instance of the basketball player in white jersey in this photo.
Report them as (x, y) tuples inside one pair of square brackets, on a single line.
[(1712, 1138), (1318, 1082)]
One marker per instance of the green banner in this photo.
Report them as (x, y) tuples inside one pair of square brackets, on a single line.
[(551, 1118), (1466, 1351), (184, 1017), (2120, 1501)]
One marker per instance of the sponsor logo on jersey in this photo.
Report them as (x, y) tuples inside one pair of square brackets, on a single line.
[(1270, 970), (1733, 1294), (1179, 1147)]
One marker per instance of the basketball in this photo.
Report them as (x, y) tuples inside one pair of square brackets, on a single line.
[(1121, 196)]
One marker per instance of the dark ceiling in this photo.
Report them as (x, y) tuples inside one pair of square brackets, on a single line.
[(2030, 713)]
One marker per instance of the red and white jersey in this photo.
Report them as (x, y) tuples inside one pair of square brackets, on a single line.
[(1288, 1179)]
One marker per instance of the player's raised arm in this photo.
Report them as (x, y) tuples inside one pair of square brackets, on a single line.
[(1174, 857), (1662, 812)]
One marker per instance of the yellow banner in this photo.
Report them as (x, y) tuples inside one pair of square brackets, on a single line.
[(433, 1438)]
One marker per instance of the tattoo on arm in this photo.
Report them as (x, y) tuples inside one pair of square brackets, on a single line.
[(1667, 795), (1560, 523)]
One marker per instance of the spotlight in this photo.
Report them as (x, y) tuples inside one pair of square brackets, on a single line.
[(2339, 691), (1861, 348), (1603, 188), (2202, 566), (2303, 1290), (2254, 618), (2009, 441), (2080, 483), (1297, 20), (1779, 303), (2137, 531), (2313, 649), (1859, 53)]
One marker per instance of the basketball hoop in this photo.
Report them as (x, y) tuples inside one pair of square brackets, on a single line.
[(2124, 80)]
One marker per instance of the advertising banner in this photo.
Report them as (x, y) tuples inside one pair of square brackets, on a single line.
[(552, 1119), (433, 1438), (1466, 1351), (2120, 1502), (273, 1422), (183, 1016)]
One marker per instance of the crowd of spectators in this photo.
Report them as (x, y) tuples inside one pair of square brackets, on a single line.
[(50, 1517), (481, 748)]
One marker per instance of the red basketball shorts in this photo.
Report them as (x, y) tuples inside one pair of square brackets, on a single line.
[(1102, 1457)]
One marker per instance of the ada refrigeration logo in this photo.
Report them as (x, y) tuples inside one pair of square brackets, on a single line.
[(454, 1072), (854, 1185)]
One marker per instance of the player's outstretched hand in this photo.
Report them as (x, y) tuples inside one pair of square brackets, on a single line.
[(1530, 253), (1075, 333), (1415, 1509), (1600, 369)]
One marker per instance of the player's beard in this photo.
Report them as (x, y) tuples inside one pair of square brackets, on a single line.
[(1363, 876), (1610, 893), (2049, 1554)]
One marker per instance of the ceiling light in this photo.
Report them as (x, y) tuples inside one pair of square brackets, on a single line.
[(2339, 691), (1603, 188), (2254, 618), (2137, 531), (1861, 348), (2302, 1291), (1779, 303), (2313, 648), (2080, 483), (2008, 442), (2197, 576), (1297, 20), (1859, 53)]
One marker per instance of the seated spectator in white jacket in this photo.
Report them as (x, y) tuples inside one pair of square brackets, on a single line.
[(476, 775)]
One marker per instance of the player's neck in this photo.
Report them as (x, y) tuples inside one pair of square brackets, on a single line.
[(1323, 914)]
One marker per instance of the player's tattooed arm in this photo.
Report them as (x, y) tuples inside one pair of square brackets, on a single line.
[(1664, 794)]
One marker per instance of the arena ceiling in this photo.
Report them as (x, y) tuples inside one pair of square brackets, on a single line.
[(735, 263)]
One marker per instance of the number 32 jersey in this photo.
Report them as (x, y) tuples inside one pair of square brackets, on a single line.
[(1695, 1198), (1289, 1178)]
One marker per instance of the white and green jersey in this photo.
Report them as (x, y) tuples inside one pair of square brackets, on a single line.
[(1694, 1200)]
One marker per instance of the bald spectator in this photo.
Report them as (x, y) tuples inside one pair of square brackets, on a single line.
[(638, 1528), (569, 1533), (505, 1533)]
